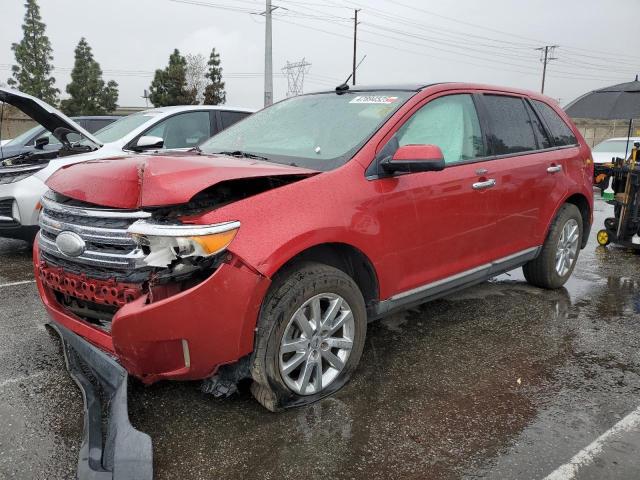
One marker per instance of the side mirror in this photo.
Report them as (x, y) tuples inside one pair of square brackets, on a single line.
[(41, 142), (148, 142), (415, 158)]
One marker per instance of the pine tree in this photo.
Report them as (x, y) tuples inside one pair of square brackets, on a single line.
[(32, 72), (214, 93), (169, 86), (88, 93)]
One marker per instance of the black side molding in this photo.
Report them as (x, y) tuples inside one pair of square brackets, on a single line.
[(452, 284), (122, 452)]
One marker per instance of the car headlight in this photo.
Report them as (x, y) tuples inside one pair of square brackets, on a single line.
[(167, 243), (15, 174)]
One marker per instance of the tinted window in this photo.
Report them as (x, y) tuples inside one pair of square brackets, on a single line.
[(511, 130), (229, 118), (184, 130), (539, 131), (562, 134), (449, 122), (95, 124)]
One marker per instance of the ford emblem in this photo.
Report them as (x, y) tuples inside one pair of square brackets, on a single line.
[(70, 244)]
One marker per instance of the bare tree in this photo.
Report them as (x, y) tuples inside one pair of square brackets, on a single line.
[(196, 79)]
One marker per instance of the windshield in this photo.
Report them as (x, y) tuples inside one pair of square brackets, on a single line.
[(23, 137), (319, 131), (613, 146), (118, 129)]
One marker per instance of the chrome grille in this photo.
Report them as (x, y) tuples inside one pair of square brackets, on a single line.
[(108, 246)]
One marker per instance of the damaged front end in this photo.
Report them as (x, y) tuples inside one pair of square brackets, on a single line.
[(95, 261)]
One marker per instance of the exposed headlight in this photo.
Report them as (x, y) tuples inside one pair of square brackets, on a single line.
[(15, 174), (166, 243)]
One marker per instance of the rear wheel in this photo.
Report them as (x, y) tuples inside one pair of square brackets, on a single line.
[(559, 254), (310, 336)]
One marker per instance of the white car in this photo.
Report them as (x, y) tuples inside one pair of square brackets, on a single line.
[(612, 148), (23, 177), (4, 142)]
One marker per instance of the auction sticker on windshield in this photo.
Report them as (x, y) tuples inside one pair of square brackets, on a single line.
[(373, 99)]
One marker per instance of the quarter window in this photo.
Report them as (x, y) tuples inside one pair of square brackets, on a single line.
[(511, 130), (562, 134), (449, 122)]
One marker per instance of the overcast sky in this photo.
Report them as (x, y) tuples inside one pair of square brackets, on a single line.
[(490, 41)]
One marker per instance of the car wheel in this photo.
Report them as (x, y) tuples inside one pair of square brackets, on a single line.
[(557, 259), (310, 336)]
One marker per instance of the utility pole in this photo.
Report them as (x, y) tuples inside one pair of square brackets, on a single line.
[(546, 56), (355, 44), (268, 56)]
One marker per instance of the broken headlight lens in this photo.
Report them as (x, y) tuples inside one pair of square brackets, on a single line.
[(166, 243)]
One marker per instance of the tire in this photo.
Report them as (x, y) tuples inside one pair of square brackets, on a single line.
[(541, 271), (297, 291)]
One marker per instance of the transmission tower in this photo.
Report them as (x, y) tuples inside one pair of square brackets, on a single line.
[(295, 72)]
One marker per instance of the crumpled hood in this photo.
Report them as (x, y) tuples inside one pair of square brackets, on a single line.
[(43, 113), (153, 181)]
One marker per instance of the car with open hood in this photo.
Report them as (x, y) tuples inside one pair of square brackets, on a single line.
[(263, 255), (23, 176), (39, 138)]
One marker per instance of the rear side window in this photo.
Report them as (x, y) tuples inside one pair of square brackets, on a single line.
[(229, 118), (560, 131), (511, 130), (449, 122)]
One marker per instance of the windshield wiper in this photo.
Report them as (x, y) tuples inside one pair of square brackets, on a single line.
[(196, 149), (241, 154)]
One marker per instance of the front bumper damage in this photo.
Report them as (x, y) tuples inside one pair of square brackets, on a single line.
[(121, 452)]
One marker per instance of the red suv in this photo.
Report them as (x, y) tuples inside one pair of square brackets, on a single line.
[(264, 253)]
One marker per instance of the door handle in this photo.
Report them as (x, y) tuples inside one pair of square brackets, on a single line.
[(482, 185), (554, 168)]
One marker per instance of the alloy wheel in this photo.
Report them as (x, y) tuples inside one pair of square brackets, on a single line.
[(567, 249), (316, 343)]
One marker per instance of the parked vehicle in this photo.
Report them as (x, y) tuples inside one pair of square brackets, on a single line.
[(26, 142), (605, 151), (22, 177), (4, 142), (264, 255)]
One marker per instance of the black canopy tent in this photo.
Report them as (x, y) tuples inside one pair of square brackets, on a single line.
[(612, 103), (617, 102)]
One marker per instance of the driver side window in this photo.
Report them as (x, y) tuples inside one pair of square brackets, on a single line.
[(185, 130), (451, 123)]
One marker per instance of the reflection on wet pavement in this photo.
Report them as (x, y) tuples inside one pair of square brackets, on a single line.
[(499, 381)]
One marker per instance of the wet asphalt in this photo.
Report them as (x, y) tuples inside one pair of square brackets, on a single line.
[(501, 381)]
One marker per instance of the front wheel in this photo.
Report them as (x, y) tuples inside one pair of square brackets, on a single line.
[(310, 336), (559, 254)]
